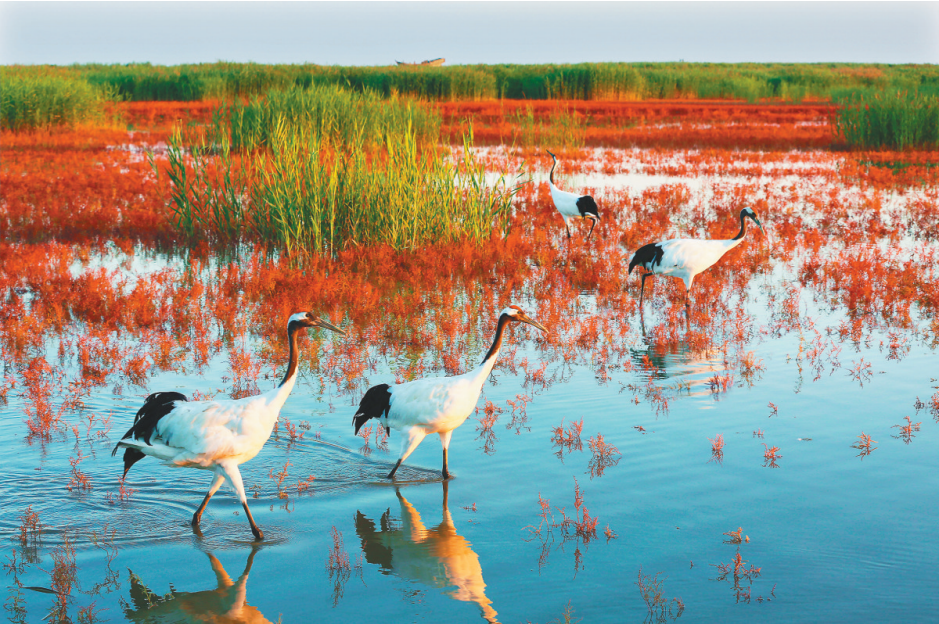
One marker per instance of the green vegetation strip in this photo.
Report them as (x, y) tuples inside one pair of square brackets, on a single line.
[(583, 81)]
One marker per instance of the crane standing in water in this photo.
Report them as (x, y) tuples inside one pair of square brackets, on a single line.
[(214, 435), (685, 258), (434, 404)]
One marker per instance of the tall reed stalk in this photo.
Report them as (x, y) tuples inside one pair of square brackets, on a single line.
[(209, 185), (897, 120)]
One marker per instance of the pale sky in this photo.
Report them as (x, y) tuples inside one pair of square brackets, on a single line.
[(378, 33)]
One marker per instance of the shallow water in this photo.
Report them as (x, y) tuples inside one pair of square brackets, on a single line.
[(836, 536)]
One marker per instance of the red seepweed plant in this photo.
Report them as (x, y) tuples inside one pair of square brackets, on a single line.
[(568, 439), (770, 455), (339, 566), (864, 445), (365, 433), (717, 448), (660, 608), (907, 431), (603, 455), (30, 528), (741, 576), (487, 421), (78, 480), (278, 478)]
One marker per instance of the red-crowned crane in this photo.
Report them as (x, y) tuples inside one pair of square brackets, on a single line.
[(214, 435), (571, 205), (435, 404), (686, 257)]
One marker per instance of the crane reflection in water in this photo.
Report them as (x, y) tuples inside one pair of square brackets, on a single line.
[(435, 556), (226, 603)]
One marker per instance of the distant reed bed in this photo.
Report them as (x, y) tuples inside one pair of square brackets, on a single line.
[(307, 175), (583, 81), (38, 101), (563, 126), (888, 120)]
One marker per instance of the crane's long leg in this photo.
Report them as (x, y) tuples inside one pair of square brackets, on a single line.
[(409, 441), (591, 228), (234, 477), (642, 289), (445, 443), (446, 517), (216, 484), (224, 581)]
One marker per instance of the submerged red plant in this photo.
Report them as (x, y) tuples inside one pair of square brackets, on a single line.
[(770, 455), (717, 448), (864, 445), (907, 431)]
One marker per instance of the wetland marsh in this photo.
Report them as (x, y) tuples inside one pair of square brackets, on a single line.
[(589, 479)]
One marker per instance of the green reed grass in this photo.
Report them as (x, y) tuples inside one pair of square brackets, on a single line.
[(308, 188), (38, 101), (327, 111), (888, 120), (562, 128)]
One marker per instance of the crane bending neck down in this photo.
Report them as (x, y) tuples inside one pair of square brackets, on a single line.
[(571, 205)]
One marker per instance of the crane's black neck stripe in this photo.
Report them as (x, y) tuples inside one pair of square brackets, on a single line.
[(551, 174), (292, 328), (497, 341), (743, 227)]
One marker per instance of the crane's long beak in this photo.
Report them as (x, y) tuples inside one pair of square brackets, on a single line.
[(327, 325), (533, 323), (757, 221), (551, 155)]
